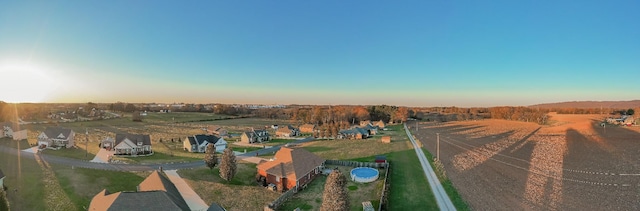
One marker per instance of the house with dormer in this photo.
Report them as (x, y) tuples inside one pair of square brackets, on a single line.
[(254, 136), (132, 144), (199, 143), (287, 131), (56, 137)]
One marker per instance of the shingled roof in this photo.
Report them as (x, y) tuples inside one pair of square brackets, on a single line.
[(146, 140), (156, 192), (55, 132), (291, 163), (199, 139)]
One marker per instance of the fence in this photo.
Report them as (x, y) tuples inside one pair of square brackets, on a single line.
[(385, 191), (276, 203), (356, 164)]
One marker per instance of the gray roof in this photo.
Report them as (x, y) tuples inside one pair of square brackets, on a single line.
[(146, 140), (53, 132), (199, 139), (215, 207), (147, 201)]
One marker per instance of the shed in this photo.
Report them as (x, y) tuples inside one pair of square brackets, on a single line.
[(367, 206), (381, 159), (386, 139)]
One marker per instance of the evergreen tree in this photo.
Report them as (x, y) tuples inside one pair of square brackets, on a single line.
[(228, 166), (335, 196), (210, 157)]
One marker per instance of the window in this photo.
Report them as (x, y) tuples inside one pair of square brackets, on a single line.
[(277, 179)]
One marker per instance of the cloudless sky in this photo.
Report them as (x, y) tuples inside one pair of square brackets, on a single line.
[(414, 53)]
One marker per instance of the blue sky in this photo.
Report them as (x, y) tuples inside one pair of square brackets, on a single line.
[(422, 53)]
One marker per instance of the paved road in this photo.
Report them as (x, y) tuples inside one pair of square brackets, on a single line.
[(129, 167), (443, 200)]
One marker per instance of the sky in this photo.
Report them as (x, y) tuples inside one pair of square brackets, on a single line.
[(408, 53)]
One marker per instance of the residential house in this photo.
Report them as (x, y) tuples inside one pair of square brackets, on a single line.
[(199, 143), (371, 129), (380, 124), (108, 143), (288, 131), (156, 192), (132, 144), (217, 130), (353, 133), (12, 130), (56, 137), (365, 123), (291, 168), (1, 179), (308, 128), (255, 136)]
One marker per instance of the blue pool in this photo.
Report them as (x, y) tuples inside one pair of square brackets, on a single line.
[(364, 174)]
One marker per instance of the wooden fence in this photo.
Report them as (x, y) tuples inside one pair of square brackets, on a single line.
[(276, 203)]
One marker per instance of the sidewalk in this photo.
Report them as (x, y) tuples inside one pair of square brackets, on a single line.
[(191, 197)]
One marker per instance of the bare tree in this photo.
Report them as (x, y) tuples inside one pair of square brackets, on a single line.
[(210, 157), (228, 165), (335, 196)]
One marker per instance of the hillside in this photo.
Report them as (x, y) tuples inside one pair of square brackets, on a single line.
[(591, 104)]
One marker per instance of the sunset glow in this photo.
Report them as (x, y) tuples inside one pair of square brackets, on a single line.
[(23, 82)]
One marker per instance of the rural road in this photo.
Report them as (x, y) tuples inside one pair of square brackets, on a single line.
[(443, 200), (128, 167)]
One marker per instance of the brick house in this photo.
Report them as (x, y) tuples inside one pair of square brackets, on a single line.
[(288, 131), (307, 128), (291, 168)]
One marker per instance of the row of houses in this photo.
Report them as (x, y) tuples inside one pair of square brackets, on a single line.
[(365, 130)]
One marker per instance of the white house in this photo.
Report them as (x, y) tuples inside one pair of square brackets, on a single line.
[(11, 130), (55, 137), (198, 143), (132, 144)]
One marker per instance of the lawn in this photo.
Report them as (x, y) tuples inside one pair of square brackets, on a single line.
[(243, 148), (409, 189), (176, 117), (74, 153), (311, 197), (159, 157), (242, 193), (274, 142), (81, 184), (23, 175)]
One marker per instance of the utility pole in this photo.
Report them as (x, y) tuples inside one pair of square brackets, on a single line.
[(86, 143), (416, 125), (437, 146)]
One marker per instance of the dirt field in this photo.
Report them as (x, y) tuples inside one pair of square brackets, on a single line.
[(572, 164)]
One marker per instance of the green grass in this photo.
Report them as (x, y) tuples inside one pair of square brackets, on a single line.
[(25, 175), (243, 148), (274, 142), (74, 153), (245, 175), (409, 189), (317, 148), (8, 142), (81, 185), (158, 157), (182, 117), (353, 187), (457, 200)]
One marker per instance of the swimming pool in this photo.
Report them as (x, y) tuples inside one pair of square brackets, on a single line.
[(364, 174)]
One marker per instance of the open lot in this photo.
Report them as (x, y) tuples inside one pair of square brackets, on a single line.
[(572, 164)]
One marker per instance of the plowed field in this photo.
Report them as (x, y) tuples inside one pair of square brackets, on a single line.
[(572, 164)]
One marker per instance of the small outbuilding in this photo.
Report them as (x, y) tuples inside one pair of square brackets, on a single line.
[(386, 139), (381, 159)]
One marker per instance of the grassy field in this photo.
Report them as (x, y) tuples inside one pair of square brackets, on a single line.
[(81, 185), (23, 175), (241, 193), (311, 197), (75, 153), (409, 188), (159, 157)]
